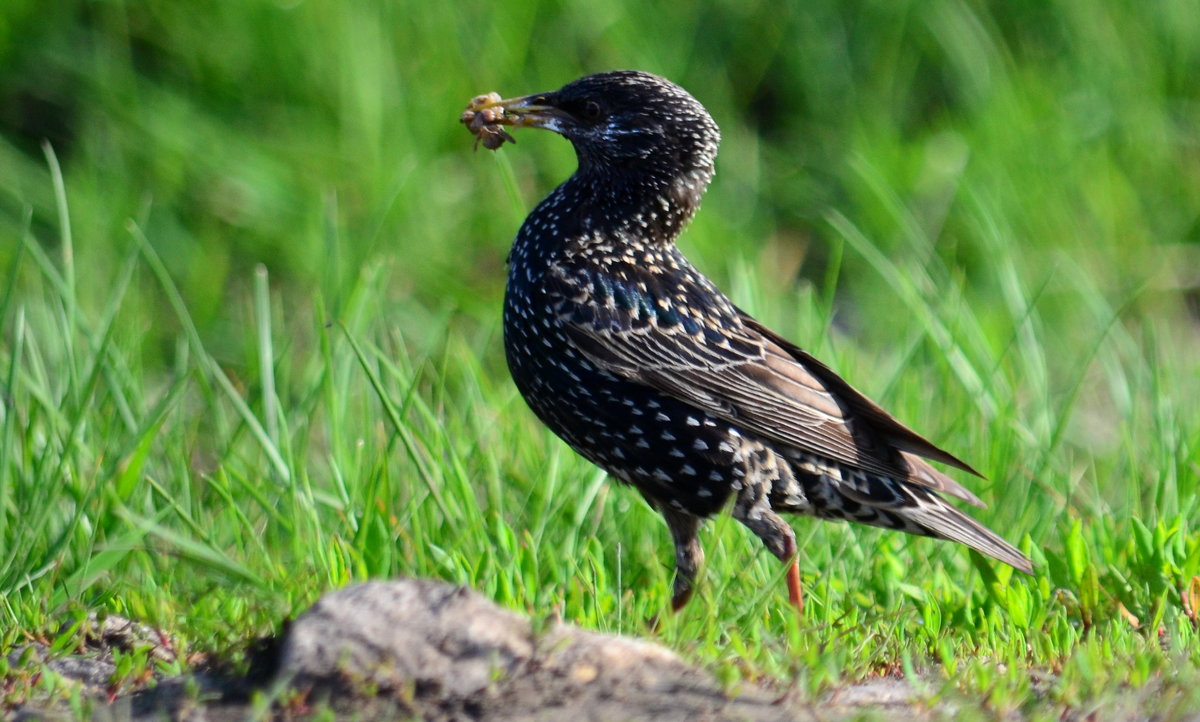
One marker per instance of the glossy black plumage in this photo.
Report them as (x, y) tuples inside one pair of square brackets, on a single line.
[(644, 367)]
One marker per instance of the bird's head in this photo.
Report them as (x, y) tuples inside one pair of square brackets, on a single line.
[(620, 122)]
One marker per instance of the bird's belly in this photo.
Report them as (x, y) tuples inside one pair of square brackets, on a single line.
[(673, 453)]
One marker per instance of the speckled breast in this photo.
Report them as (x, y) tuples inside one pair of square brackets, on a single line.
[(677, 456)]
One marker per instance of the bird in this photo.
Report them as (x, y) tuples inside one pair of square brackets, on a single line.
[(645, 368)]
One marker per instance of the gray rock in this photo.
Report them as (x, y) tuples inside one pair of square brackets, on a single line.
[(445, 652), (394, 634)]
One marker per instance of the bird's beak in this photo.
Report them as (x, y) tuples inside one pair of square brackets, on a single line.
[(526, 110), (486, 114)]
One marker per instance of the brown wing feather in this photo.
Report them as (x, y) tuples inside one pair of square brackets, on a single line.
[(753, 378), (896, 433)]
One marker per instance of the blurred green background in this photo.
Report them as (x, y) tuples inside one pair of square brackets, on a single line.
[(987, 215)]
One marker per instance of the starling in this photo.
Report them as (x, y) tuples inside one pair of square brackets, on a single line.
[(645, 368)]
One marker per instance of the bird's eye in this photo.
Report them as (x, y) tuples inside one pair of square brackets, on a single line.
[(592, 110)]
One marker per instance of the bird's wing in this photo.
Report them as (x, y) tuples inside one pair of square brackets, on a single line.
[(712, 355)]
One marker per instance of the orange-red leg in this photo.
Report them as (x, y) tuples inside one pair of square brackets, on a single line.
[(795, 590)]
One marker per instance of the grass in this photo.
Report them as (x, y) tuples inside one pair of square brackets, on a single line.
[(250, 293)]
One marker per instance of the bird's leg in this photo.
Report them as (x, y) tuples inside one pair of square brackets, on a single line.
[(795, 589), (753, 508), (688, 554)]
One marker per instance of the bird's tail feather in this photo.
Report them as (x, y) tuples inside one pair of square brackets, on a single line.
[(835, 491), (882, 501), (938, 519)]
